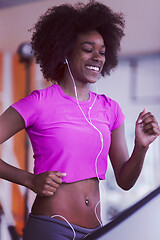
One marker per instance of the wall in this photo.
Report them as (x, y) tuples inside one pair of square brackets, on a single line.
[(142, 23), (142, 36)]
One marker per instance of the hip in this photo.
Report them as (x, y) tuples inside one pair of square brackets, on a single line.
[(44, 227)]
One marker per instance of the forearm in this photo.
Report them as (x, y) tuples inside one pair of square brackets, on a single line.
[(131, 169), (15, 175), (126, 169)]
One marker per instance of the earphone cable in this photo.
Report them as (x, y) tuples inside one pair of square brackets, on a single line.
[(90, 122), (74, 233)]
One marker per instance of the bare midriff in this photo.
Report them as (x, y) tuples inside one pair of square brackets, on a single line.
[(74, 201)]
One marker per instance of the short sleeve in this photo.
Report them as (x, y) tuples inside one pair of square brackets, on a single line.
[(117, 116), (28, 107)]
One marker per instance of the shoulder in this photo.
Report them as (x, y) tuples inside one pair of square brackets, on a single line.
[(43, 96), (113, 111), (44, 93), (109, 103)]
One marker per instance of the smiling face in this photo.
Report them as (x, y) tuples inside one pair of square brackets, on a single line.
[(88, 57)]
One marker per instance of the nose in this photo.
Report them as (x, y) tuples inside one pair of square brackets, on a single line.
[(96, 56)]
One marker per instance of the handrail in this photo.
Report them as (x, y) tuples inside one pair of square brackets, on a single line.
[(124, 215)]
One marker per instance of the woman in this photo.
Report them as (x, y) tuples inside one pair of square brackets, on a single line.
[(71, 128)]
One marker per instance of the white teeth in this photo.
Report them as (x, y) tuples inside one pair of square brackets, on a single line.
[(93, 68)]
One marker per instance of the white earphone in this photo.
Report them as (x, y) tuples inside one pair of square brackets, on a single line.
[(65, 60), (101, 138)]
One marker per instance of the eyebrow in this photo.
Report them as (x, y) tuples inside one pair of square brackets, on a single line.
[(91, 43)]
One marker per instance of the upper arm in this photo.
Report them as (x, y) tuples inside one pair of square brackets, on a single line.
[(11, 122), (118, 152)]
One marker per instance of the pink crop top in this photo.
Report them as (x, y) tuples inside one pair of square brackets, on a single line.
[(62, 139)]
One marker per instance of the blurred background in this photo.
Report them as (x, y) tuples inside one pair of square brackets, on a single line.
[(135, 84)]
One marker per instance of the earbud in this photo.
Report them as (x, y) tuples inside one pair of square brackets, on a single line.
[(65, 60)]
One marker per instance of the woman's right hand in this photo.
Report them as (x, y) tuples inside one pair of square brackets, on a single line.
[(47, 183), (44, 184)]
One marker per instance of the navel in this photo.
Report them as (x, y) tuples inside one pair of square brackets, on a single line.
[(86, 201)]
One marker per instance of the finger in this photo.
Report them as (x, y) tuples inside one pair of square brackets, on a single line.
[(48, 191), (147, 118), (154, 133), (152, 128), (150, 123), (56, 177), (59, 174), (52, 183), (139, 120), (49, 188)]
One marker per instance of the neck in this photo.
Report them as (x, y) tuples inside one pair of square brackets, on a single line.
[(68, 87)]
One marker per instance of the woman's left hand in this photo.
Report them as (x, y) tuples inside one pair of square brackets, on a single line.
[(147, 129)]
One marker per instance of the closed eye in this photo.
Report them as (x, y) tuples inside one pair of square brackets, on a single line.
[(87, 50), (102, 53), (90, 50)]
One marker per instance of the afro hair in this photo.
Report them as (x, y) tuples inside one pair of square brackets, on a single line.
[(56, 32)]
